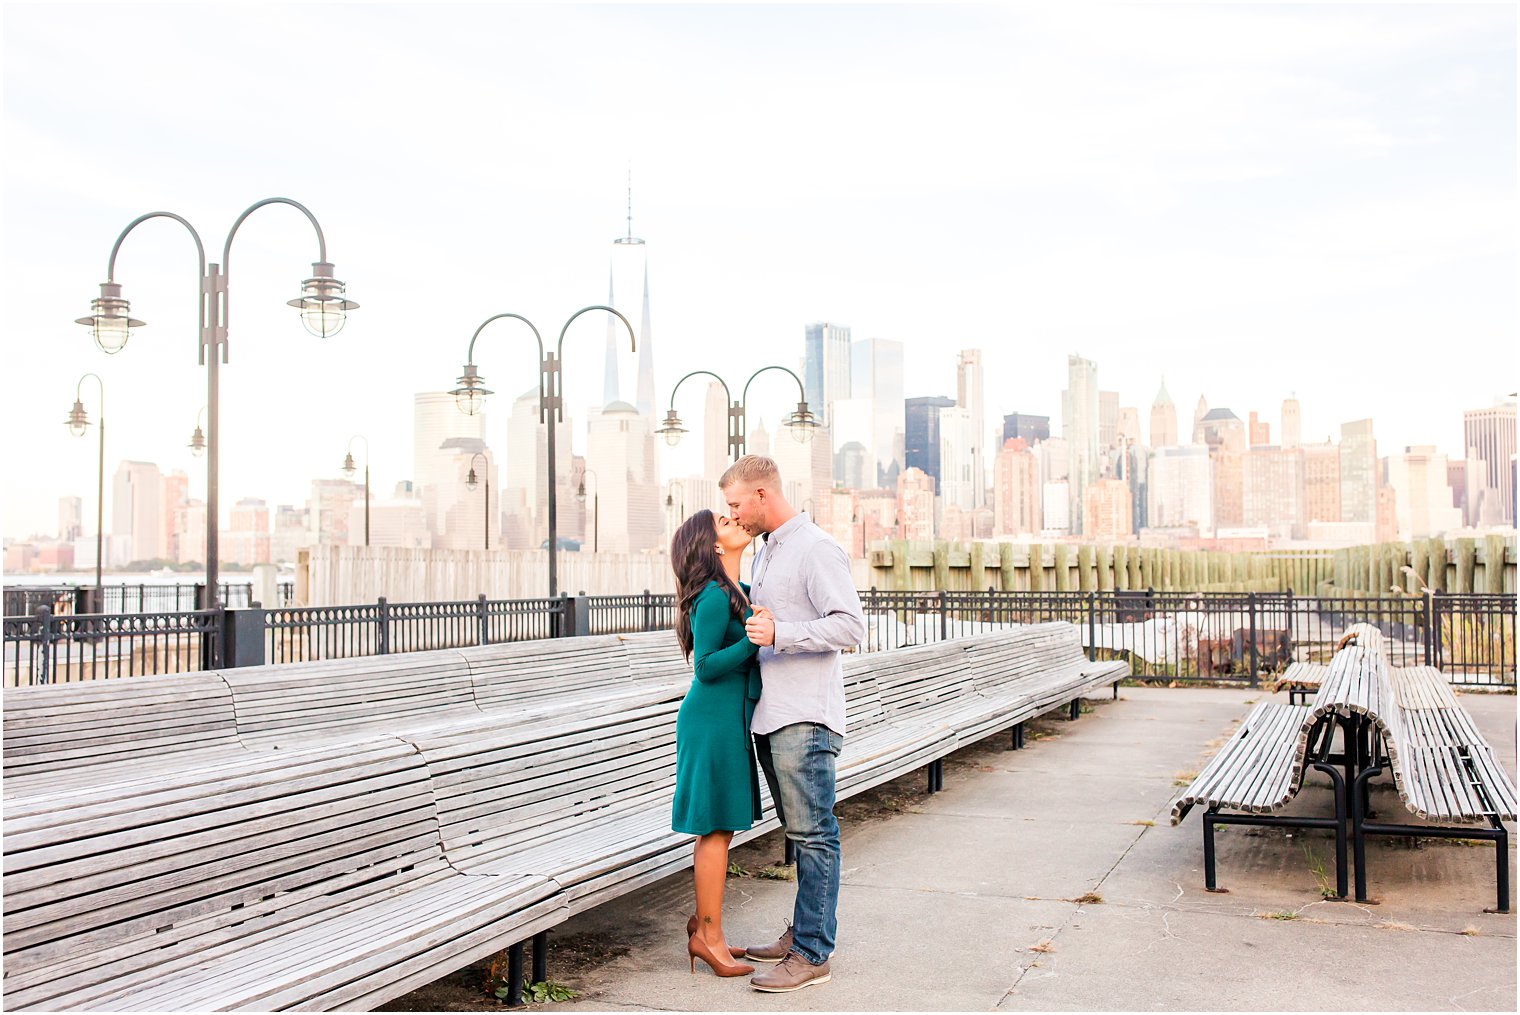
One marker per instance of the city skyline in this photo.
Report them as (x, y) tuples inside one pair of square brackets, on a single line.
[(1320, 183)]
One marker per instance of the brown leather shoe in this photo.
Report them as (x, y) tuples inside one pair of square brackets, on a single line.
[(773, 952), (794, 973)]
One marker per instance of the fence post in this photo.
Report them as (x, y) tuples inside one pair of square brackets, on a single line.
[(1431, 638), (383, 625), (1092, 626), (1251, 612), (485, 621), (45, 636), (243, 636), (1289, 621), (944, 615), (648, 606)]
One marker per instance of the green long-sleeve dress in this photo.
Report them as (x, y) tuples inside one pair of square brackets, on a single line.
[(717, 785)]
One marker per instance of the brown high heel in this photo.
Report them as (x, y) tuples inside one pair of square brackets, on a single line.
[(691, 932), (697, 949)]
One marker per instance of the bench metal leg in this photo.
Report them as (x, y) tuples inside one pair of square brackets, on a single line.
[(1116, 690), (541, 957), (1501, 855), (1209, 879), (1339, 788), (1076, 708), (1018, 736), (936, 772), (515, 975)]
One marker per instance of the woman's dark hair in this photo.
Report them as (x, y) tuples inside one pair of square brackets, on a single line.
[(694, 557)]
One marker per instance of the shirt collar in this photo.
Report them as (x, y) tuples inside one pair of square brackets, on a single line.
[(791, 525)]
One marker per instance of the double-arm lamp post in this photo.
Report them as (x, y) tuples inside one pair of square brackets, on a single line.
[(348, 470), (801, 423), (77, 422), (471, 394), (323, 310)]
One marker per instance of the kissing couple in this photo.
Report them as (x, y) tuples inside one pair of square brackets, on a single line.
[(767, 687)]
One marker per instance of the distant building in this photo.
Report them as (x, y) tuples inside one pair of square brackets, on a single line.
[(960, 484), (915, 504), (876, 373), (620, 451), (826, 357), (1108, 420), (1182, 489), (435, 419), (1260, 431), (1359, 472), (715, 454), (176, 491), (70, 518), (1016, 490), (1292, 423), (1080, 426), (1163, 420), (1423, 504), (247, 541), (1106, 510), (1489, 437), (137, 508), (1274, 491), (1322, 483), (292, 533), (969, 396), (1026, 427), (921, 433), (1225, 435)]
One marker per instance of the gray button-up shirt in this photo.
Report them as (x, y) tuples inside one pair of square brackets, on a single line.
[(803, 577)]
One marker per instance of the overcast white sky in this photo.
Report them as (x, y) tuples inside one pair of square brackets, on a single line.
[(1249, 200)]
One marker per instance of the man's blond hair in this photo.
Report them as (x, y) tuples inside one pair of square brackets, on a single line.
[(755, 470)]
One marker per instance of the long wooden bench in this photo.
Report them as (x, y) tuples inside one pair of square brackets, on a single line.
[(325, 872)]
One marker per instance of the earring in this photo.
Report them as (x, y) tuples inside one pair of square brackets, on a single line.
[(721, 551)]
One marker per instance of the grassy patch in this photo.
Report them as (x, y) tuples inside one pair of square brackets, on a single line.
[(1317, 868), (735, 870), (1088, 899), (1469, 931), (1281, 914), (1183, 778), (538, 993), (777, 873)]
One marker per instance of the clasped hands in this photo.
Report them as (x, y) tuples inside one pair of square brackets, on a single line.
[(761, 627)]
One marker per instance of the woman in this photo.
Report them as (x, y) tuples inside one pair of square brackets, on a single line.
[(717, 787)]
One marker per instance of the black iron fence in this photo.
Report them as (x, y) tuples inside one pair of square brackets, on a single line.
[(1218, 636), (45, 648), (130, 597), (1243, 637)]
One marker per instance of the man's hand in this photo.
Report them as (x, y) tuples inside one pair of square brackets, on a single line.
[(761, 628)]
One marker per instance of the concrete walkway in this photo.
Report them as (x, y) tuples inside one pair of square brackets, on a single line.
[(1051, 879)]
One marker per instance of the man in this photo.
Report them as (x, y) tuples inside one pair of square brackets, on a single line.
[(806, 611)]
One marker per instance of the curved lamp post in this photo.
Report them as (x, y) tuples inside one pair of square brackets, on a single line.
[(801, 423), (323, 310), (77, 422), (470, 397), (348, 470), (596, 507), (472, 480)]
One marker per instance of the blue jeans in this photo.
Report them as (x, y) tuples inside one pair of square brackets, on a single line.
[(798, 762)]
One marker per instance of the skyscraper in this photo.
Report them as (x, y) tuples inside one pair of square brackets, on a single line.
[(1489, 439), (436, 419), (876, 372), (921, 444), (969, 396), (1359, 472), (137, 508), (1108, 420), (1292, 423), (1423, 504), (959, 484), (827, 367), (526, 493), (1015, 490), (630, 261), (1322, 483), (70, 519), (715, 456), (620, 452), (1163, 419), (1026, 427), (1079, 425)]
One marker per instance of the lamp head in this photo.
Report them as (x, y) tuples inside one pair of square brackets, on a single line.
[(110, 319), (323, 308), (348, 465), (470, 480), (802, 424), (198, 442), (672, 428), (470, 396), (77, 421), (580, 492)]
